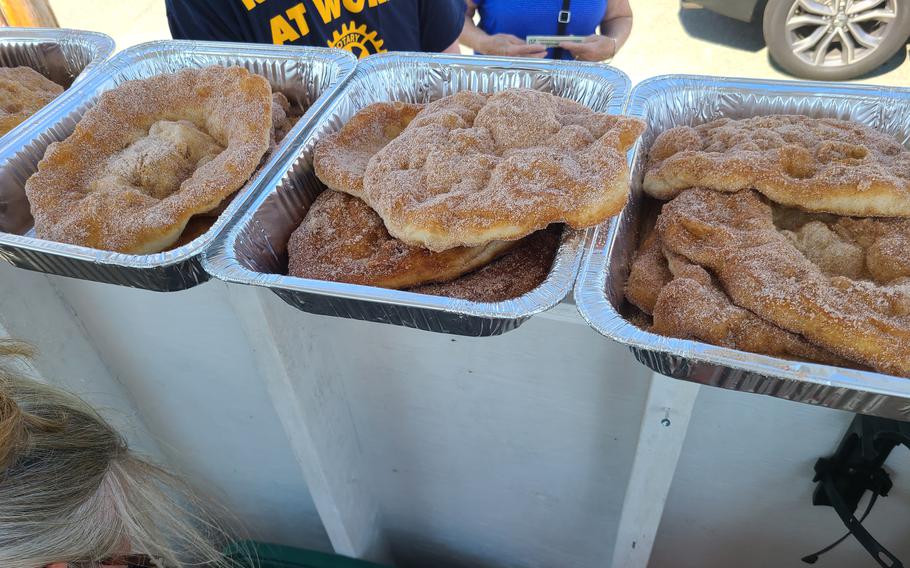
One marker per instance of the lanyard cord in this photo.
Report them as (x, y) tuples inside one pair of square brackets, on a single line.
[(562, 23)]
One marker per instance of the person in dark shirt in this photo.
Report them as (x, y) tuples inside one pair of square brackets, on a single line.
[(363, 27), (504, 25)]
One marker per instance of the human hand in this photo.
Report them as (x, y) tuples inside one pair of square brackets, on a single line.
[(593, 48), (507, 44)]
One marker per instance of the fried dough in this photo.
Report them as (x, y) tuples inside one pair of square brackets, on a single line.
[(23, 92), (148, 156), (341, 239), (816, 164), (284, 117), (516, 273), (692, 306), (734, 237), (685, 302), (473, 168), (648, 275), (340, 159)]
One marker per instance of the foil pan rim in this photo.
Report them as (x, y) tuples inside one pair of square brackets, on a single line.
[(221, 262), (614, 74), (569, 255), (101, 46), (79, 93), (598, 311), (647, 88)]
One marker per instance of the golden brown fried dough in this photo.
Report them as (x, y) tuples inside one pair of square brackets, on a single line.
[(692, 306), (341, 158), (816, 164), (473, 168), (341, 239), (519, 271), (23, 92), (149, 155), (649, 274), (734, 237)]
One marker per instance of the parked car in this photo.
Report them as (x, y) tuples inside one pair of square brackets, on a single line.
[(830, 40)]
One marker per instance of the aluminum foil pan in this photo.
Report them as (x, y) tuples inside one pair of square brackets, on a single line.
[(254, 251), (63, 56), (664, 102), (308, 76)]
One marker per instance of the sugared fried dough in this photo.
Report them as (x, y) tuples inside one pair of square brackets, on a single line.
[(23, 92), (341, 239), (473, 168), (886, 243), (833, 254), (692, 306), (734, 237), (648, 275), (858, 248), (518, 272), (816, 164), (284, 117), (341, 158), (685, 302), (149, 155)]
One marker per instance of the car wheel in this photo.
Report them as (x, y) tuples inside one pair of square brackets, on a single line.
[(835, 40)]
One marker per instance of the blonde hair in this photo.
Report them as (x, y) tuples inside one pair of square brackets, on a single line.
[(71, 490)]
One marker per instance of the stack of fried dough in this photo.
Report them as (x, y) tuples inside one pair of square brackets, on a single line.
[(782, 235), (154, 162), (463, 196)]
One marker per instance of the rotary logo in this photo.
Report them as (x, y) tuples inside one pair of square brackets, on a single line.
[(357, 40)]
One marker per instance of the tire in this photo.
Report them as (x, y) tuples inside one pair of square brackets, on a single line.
[(890, 35)]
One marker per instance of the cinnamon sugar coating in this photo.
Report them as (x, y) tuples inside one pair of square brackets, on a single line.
[(761, 269), (857, 248), (693, 306), (149, 155), (648, 274), (686, 302), (341, 239), (340, 159), (514, 274), (284, 117), (23, 92), (471, 168), (816, 164)]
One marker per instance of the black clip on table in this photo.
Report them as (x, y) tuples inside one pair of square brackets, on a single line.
[(856, 467)]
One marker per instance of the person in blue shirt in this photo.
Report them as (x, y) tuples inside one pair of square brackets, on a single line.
[(363, 27), (504, 25)]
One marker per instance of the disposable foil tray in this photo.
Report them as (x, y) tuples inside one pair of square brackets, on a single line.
[(63, 56), (308, 76), (254, 251), (664, 102)]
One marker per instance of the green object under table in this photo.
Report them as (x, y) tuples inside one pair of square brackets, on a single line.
[(275, 556)]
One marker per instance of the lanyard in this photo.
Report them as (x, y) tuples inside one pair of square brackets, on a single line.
[(562, 22)]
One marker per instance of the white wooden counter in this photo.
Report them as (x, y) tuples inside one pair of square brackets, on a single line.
[(431, 450)]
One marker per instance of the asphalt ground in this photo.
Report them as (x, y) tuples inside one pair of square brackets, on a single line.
[(665, 39)]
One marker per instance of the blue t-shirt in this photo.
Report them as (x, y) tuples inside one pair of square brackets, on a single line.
[(539, 17), (363, 27)]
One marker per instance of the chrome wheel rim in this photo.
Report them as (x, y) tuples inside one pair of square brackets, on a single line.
[(835, 33)]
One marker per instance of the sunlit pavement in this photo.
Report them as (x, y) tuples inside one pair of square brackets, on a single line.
[(664, 40), (127, 21)]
